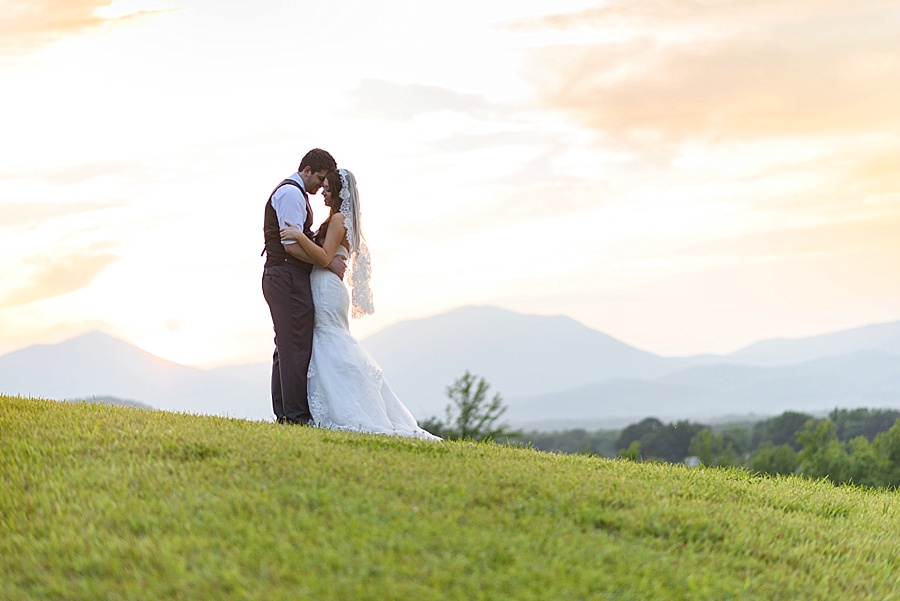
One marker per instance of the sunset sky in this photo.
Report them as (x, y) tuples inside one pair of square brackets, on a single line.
[(687, 176)]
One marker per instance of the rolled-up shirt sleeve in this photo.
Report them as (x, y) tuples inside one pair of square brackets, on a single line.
[(290, 206)]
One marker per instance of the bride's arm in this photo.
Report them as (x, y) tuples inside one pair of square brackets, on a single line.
[(318, 255), (296, 251)]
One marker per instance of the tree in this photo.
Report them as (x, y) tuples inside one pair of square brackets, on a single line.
[(717, 449), (671, 442), (633, 452), (887, 445), (728, 456), (637, 432), (470, 415), (705, 446), (822, 455), (738, 438), (780, 430), (866, 466), (851, 423), (769, 459), (658, 441)]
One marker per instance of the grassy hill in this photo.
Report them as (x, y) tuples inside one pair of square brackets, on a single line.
[(104, 502)]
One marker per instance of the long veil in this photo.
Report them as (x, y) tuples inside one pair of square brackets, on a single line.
[(360, 268)]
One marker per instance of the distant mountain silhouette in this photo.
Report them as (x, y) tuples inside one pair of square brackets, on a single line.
[(518, 354), (554, 368), (96, 364), (546, 368), (862, 379), (786, 351)]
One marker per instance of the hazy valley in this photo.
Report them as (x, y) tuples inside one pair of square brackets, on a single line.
[(552, 372)]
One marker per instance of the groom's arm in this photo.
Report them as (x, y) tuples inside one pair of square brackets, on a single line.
[(290, 207), (296, 251), (337, 266)]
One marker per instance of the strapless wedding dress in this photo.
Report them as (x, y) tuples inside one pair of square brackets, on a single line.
[(347, 390)]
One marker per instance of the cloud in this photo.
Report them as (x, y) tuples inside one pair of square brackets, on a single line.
[(20, 215), (467, 142), (670, 70), (28, 25), (879, 173), (378, 99), (58, 275), (664, 16), (62, 175), (876, 237)]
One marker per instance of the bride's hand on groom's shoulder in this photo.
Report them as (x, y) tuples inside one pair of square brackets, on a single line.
[(291, 233)]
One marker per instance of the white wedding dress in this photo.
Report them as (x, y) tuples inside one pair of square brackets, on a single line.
[(346, 388)]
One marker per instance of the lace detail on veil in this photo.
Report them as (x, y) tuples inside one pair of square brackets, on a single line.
[(360, 271)]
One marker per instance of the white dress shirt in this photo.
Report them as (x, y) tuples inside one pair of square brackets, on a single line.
[(290, 205)]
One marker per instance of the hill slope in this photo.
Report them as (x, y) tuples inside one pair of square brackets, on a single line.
[(109, 502)]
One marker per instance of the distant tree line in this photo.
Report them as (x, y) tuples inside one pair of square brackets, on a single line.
[(859, 446)]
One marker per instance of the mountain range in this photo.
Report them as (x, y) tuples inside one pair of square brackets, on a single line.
[(551, 371)]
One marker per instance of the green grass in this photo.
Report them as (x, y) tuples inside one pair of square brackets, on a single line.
[(103, 502)]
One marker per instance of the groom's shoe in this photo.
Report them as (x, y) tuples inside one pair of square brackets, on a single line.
[(298, 422)]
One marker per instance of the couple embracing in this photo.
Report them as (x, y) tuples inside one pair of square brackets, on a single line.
[(321, 375)]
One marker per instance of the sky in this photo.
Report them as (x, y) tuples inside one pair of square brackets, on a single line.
[(687, 176)]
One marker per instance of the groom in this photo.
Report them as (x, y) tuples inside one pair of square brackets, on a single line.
[(286, 286)]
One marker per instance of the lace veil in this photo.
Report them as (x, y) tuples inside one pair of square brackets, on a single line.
[(360, 268)]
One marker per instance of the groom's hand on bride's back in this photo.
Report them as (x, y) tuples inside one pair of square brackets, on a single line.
[(338, 266)]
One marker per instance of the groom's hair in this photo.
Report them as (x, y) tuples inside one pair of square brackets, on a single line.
[(317, 160)]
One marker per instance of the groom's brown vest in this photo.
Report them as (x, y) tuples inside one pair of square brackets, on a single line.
[(274, 251)]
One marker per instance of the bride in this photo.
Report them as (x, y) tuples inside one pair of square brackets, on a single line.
[(345, 385)]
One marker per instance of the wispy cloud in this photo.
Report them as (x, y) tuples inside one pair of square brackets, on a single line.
[(779, 112), (379, 99), (675, 69), (21, 215), (57, 275), (878, 174), (27, 25), (834, 240), (659, 17), (63, 175)]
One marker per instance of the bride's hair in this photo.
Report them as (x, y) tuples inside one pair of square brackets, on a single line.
[(334, 184)]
